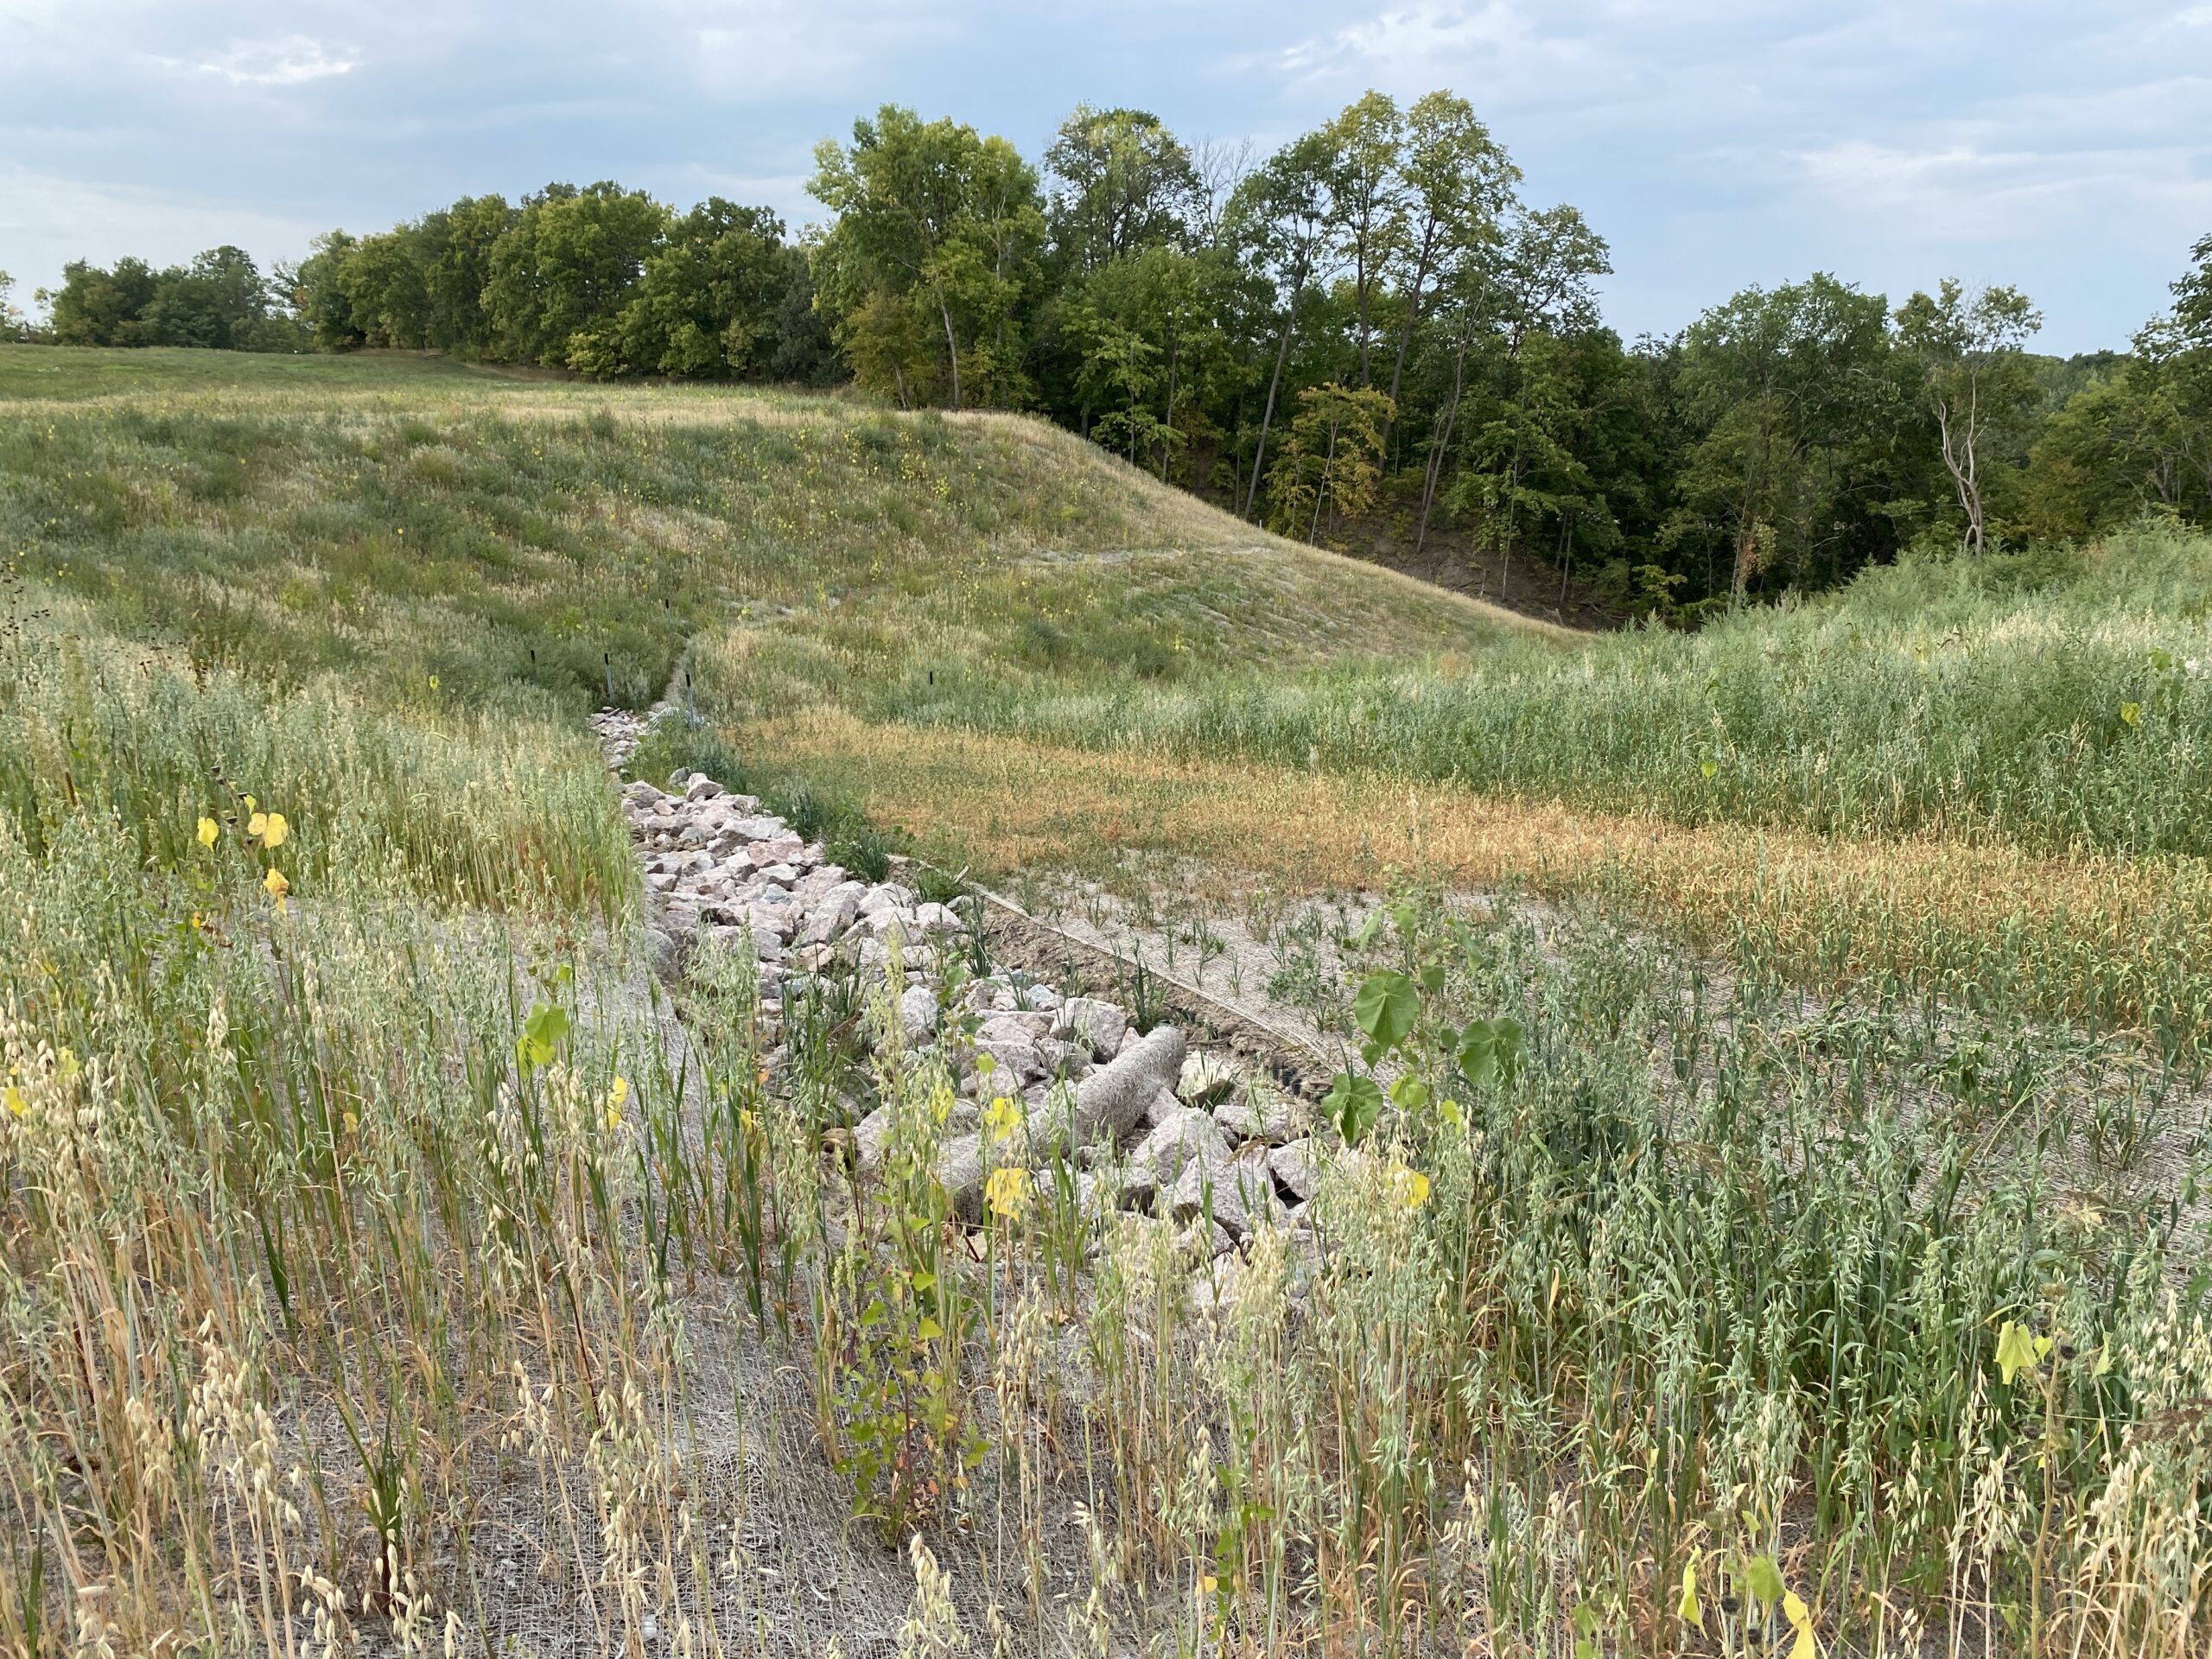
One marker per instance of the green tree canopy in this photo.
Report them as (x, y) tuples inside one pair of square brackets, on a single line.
[(934, 262), (560, 276), (1122, 182), (711, 299)]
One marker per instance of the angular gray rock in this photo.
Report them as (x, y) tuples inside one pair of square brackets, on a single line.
[(1238, 1118), (1283, 1116), (1296, 1168), (917, 1013), (1204, 1240), (1014, 1026), (868, 1137), (1101, 1026), (1255, 1181), (1017, 1062), (1163, 1105), (832, 913), (960, 1173), (1206, 1187), (1188, 1135), (1068, 1060), (888, 896)]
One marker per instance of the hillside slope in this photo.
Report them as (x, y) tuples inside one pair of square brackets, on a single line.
[(397, 519), (397, 1228)]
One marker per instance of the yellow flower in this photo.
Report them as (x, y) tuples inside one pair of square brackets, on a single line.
[(1007, 1191), (277, 885), (1801, 1620), (208, 830), (1002, 1119), (1412, 1187), (257, 825), (16, 1103), (249, 803), (274, 830), (1689, 1610), (618, 1091), (351, 1120)]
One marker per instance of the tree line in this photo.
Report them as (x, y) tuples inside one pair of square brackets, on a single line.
[(1369, 337)]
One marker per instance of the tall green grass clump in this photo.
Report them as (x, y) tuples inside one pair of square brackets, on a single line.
[(490, 809), (2058, 700)]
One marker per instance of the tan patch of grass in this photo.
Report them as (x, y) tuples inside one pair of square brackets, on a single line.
[(2117, 939)]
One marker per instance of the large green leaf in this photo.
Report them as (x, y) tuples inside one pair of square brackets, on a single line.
[(1386, 1008), (1353, 1104), (542, 1035)]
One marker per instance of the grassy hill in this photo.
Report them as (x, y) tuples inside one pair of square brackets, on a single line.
[(1836, 1228)]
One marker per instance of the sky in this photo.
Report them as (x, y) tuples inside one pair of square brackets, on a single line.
[(2064, 146)]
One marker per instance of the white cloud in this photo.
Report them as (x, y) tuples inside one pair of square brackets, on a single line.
[(293, 61), (786, 47), (1411, 41), (46, 221), (1960, 198)]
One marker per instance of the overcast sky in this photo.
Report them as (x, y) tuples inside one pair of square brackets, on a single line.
[(2064, 145)]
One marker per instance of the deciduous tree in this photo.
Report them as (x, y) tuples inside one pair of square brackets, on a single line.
[(1975, 377), (938, 230)]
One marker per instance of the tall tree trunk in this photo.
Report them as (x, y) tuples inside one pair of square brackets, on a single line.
[(1274, 384), (1167, 422), (1405, 332), (1441, 439), (1365, 378), (1321, 490), (952, 346)]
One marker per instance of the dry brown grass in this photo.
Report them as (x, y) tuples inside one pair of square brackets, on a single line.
[(2119, 939)]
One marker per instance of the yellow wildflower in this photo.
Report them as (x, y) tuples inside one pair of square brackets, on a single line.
[(256, 824), (208, 830), (350, 1119), (1002, 1119), (16, 1104), (274, 830), (1801, 1620), (1412, 1187), (277, 885), (1007, 1191)]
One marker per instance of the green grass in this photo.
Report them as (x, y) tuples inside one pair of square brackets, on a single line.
[(309, 1266), (391, 521), (2059, 701), (69, 374)]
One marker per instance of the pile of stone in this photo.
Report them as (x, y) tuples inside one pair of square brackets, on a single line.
[(1182, 1137), (724, 869)]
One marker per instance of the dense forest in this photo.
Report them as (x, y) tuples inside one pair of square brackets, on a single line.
[(1369, 337)]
